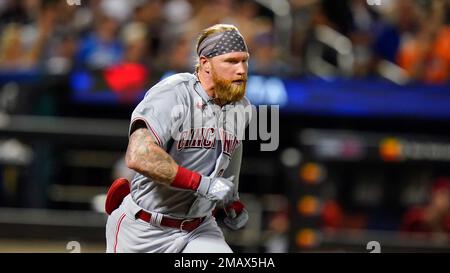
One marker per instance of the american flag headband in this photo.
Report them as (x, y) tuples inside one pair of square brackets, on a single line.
[(222, 43)]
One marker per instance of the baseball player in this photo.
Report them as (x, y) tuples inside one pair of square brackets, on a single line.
[(186, 156)]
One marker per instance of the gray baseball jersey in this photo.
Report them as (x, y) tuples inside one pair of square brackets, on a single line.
[(196, 133)]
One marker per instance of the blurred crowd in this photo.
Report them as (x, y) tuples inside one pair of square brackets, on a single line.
[(401, 40), (426, 212)]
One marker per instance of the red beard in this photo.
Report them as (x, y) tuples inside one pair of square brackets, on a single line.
[(227, 91)]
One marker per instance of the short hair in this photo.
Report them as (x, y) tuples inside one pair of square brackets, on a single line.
[(218, 28)]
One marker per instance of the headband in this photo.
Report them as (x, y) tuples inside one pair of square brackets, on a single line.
[(222, 43)]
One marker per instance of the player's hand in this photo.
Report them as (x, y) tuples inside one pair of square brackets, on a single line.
[(216, 189), (237, 215)]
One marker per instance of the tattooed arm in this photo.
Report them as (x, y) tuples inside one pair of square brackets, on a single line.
[(147, 158)]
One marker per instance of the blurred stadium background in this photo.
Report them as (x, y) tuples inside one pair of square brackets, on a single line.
[(362, 87)]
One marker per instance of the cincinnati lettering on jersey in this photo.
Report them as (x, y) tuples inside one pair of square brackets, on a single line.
[(197, 138), (230, 142), (206, 138)]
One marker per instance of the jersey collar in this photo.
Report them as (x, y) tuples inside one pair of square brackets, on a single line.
[(201, 92), (206, 98)]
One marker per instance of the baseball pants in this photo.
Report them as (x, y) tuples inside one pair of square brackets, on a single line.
[(126, 233)]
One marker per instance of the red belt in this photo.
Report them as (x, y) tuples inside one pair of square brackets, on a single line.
[(182, 224)]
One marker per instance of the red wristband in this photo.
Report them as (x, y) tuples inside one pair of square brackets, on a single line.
[(186, 179)]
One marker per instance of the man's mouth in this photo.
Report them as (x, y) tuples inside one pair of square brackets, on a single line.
[(239, 82)]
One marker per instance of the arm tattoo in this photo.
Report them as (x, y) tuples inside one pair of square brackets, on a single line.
[(147, 158)]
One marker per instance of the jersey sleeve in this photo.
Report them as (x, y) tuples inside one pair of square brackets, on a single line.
[(160, 111)]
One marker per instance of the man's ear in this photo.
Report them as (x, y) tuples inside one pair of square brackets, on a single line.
[(205, 63)]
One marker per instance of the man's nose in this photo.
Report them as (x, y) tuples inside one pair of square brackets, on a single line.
[(242, 69)]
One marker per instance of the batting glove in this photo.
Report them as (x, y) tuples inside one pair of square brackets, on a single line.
[(237, 215), (216, 189)]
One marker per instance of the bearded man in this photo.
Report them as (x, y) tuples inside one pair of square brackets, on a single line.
[(185, 170)]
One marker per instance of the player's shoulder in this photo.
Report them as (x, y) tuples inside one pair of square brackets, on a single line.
[(176, 80), (176, 84)]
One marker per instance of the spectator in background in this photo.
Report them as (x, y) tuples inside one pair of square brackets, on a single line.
[(11, 50), (266, 57), (178, 57), (426, 54), (59, 54), (83, 18), (248, 18), (150, 14), (43, 34), (302, 12), (176, 14), (61, 59), (129, 77), (417, 39), (101, 47), (403, 21), (119, 10), (434, 217), (20, 12), (208, 13), (134, 37), (365, 24), (25, 46)]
